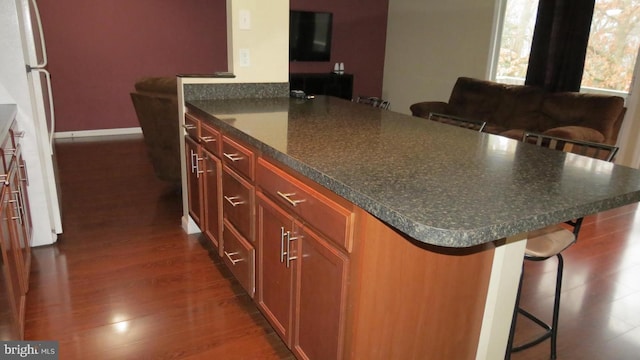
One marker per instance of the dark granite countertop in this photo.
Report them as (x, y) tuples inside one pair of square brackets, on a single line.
[(437, 183)]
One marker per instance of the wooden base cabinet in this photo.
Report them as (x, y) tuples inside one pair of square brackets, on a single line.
[(321, 285), (211, 200), (203, 179), (334, 281), (15, 238), (302, 284), (275, 267), (13, 295), (194, 182)]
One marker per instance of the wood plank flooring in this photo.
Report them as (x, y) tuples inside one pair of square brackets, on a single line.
[(125, 282)]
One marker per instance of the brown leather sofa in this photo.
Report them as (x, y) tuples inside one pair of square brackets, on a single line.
[(156, 103), (509, 110)]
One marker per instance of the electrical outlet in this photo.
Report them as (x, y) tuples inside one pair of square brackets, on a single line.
[(245, 58)]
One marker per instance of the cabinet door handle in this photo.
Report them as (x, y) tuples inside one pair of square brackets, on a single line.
[(25, 180), (281, 244), (18, 210), (229, 256), (287, 197), (208, 139), (233, 157), (198, 170), (195, 164), (232, 200), (289, 240)]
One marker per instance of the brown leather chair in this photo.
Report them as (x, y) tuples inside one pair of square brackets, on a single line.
[(155, 100)]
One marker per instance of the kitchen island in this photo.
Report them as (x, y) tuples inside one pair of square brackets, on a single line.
[(430, 251)]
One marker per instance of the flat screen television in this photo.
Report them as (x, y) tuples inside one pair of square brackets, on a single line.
[(310, 35)]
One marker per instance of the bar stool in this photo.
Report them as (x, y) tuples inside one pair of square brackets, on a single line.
[(551, 241)]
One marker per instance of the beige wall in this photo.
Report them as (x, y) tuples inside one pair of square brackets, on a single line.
[(430, 44), (267, 40)]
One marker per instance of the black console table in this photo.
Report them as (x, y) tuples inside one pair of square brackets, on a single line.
[(323, 84)]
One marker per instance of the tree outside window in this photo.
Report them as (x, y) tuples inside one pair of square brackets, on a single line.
[(611, 54)]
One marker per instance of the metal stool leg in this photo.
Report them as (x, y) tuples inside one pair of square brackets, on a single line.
[(551, 330), (512, 330)]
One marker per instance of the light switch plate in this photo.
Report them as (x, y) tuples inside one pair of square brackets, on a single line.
[(245, 20)]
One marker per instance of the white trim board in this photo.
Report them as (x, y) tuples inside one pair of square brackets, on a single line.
[(99, 132)]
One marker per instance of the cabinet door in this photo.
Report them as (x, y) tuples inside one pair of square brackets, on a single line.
[(194, 170), (12, 298), (321, 298), (212, 204), (275, 278), (25, 207), (21, 229)]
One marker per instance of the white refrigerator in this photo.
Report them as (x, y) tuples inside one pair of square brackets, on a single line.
[(25, 81)]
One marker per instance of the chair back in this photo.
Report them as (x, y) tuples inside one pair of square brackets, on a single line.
[(472, 124), (591, 149), (373, 101)]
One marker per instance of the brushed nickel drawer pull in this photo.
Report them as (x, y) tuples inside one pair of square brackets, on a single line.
[(233, 157), (229, 256), (208, 139), (288, 199), (232, 200)]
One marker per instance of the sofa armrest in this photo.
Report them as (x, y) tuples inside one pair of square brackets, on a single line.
[(576, 133), (423, 109)]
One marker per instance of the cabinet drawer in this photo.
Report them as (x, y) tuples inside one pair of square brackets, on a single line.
[(238, 202), (192, 125), (239, 256), (327, 216), (210, 139), (237, 157)]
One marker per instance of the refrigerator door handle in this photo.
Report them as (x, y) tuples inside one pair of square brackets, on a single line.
[(52, 117), (43, 63)]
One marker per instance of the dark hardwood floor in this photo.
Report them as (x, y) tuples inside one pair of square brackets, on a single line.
[(125, 282)]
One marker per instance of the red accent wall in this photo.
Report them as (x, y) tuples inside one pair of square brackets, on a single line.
[(359, 38), (97, 50)]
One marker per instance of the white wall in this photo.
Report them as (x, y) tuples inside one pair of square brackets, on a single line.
[(430, 44)]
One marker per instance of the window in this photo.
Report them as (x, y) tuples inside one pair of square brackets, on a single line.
[(611, 53)]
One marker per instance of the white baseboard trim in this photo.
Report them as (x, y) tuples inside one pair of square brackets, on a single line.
[(100, 132)]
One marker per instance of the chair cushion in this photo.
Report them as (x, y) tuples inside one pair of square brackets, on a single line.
[(548, 241), (576, 133)]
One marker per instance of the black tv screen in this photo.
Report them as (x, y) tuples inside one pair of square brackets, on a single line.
[(310, 36)]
